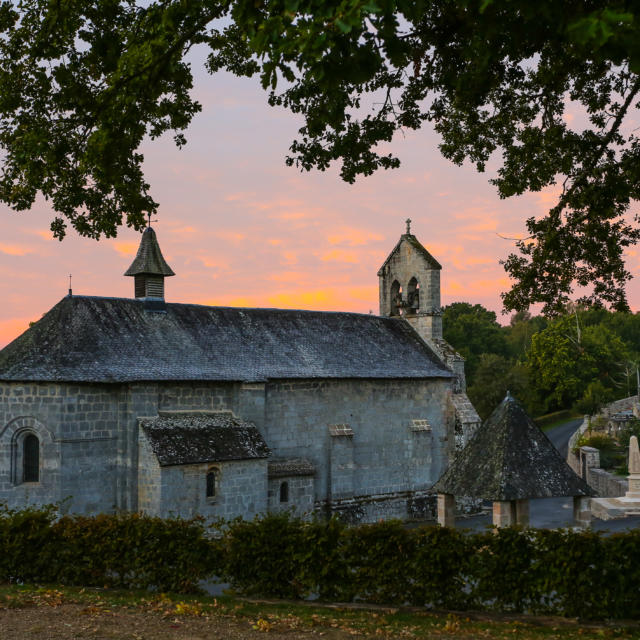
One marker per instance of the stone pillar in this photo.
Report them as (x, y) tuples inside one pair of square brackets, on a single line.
[(504, 513), (522, 512), (589, 459), (446, 510), (582, 511), (634, 470)]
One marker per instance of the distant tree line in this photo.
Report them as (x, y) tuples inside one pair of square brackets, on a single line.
[(580, 360)]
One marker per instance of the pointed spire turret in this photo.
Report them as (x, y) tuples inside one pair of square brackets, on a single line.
[(149, 267)]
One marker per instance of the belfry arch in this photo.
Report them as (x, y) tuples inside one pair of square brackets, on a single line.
[(396, 298), (413, 295)]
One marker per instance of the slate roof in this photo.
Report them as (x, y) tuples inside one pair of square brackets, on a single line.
[(92, 339), (509, 458), (286, 467), (415, 243), (149, 259), (192, 439)]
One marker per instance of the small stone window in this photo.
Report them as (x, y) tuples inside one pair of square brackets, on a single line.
[(212, 483), (31, 459), (284, 491)]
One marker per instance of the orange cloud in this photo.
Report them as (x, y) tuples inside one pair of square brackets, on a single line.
[(229, 301), (318, 299), (354, 237), (214, 263), (230, 236), (126, 248), (369, 294), (488, 286), (10, 329), (290, 215), (289, 258), (453, 286), (339, 255), (549, 197), (14, 250), (233, 197), (288, 276)]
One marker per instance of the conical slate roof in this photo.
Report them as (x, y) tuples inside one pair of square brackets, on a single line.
[(509, 458), (149, 258)]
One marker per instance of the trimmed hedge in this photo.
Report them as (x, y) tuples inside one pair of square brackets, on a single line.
[(123, 550), (562, 572)]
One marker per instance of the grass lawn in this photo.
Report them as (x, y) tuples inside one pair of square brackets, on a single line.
[(63, 612)]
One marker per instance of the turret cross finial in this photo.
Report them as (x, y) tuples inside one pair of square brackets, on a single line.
[(408, 225)]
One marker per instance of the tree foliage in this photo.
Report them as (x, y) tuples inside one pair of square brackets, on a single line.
[(82, 82), (578, 361), (473, 330)]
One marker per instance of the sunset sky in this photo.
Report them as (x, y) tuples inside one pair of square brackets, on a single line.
[(240, 228)]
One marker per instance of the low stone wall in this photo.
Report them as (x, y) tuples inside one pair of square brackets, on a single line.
[(606, 484), (626, 404), (573, 459)]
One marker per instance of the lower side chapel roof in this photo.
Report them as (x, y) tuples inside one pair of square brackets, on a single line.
[(93, 339), (193, 439)]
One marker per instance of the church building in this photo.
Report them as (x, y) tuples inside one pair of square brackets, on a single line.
[(145, 405)]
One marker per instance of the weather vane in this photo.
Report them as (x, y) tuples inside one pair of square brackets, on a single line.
[(149, 216)]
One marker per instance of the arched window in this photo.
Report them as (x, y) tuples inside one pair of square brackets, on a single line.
[(396, 299), (30, 459), (284, 492), (413, 295), (211, 483)]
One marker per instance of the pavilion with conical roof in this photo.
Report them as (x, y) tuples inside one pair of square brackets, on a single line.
[(510, 461)]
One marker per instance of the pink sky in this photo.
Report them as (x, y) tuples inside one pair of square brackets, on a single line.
[(239, 228)]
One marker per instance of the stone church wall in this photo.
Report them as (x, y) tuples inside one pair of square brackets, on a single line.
[(301, 495), (90, 451), (241, 490), (77, 429), (391, 459)]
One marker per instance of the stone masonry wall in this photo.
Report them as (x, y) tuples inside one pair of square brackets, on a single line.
[(301, 495), (405, 264), (241, 490), (77, 426), (90, 443), (149, 477), (606, 484), (390, 458)]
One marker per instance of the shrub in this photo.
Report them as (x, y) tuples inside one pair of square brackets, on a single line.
[(122, 550), (557, 572)]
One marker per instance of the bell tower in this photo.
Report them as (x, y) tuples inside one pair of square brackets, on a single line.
[(410, 287)]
